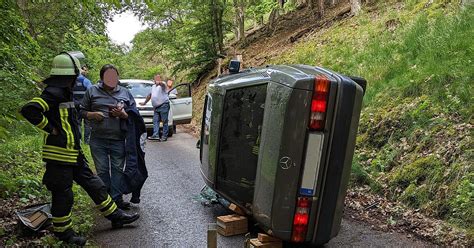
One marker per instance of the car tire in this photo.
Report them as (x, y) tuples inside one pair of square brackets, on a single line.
[(171, 131)]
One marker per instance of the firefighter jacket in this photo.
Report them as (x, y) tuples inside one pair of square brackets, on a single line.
[(54, 108)]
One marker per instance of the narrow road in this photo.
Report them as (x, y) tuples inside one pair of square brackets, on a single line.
[(172, 215)]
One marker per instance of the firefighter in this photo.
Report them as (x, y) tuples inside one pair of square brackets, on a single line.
[(54, 113)]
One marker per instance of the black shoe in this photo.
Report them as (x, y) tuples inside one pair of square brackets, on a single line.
[(73, 239), (120, 218), (164, 139), (123, 205), (135, 200)]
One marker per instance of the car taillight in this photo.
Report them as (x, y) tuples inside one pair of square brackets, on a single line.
[(319, 103), (301, 219)]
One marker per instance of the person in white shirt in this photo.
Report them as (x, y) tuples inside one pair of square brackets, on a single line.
[(169, 83), (161, 105)]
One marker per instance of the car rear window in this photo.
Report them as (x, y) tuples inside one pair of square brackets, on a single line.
[(138, 90)]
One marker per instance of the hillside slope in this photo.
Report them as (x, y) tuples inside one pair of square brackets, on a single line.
[(415, 143)]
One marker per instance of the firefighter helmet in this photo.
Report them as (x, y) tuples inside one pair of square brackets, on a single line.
[(65, 65)]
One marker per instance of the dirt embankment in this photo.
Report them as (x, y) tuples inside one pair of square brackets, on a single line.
[(265, 43)]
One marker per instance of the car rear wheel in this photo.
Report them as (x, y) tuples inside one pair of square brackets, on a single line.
[(171, 131)]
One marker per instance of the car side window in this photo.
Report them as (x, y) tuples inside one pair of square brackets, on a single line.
[(181, 91)]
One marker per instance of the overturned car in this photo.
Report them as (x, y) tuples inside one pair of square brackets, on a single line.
[(278, 142)]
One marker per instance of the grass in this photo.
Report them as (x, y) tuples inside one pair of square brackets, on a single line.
[(415, 134), (21, 178)]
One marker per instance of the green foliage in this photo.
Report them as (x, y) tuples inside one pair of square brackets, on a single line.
[(361, 176), (99, 51), (53, 24), (83, 211), (418, 172), (19, 172), (427, 56), (18, 52), (415, 133), (33, 32), (462, 204), (260, 8), (186, 36)]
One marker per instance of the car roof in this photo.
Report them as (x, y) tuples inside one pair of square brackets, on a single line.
[(132, 81)]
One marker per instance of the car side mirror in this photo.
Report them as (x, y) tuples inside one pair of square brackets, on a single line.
[(172, 96)]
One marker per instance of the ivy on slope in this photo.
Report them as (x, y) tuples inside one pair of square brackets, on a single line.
[(415, 135)]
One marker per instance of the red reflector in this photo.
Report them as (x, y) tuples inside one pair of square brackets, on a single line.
[(319, 102), (322, 84), (303, 202), (301, 219), (318, 106)]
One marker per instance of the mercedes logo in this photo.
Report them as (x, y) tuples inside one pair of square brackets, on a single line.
[(286, 163)]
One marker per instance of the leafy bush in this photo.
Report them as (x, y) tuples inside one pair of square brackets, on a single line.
[(21, 178), (415, 140)]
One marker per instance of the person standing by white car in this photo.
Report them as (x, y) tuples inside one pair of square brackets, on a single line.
[(161, 105), (170, 90)]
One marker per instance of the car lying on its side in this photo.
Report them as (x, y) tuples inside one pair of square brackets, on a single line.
[(180, 103), (278, 142)]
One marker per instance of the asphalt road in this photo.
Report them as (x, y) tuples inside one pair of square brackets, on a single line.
[(173, 216)]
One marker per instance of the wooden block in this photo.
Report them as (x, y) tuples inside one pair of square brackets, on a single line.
[(38, 221), (262, 237), (236, 209), (34, 216), (254, 243), (233, 224), (230, 231)]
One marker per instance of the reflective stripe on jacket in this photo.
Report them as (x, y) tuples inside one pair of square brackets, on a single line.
[(54, 109)]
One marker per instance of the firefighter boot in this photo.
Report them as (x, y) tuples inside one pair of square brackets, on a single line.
[(72, 238), (120, 218)]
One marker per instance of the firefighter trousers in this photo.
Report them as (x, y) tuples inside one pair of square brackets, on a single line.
[(58, 178)]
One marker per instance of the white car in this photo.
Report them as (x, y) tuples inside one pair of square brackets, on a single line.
[(181, 103)]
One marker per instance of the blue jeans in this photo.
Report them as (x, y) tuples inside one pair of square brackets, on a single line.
[(161, 114), (109, 160)]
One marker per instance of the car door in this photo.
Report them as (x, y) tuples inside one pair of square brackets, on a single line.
[(181, 103)]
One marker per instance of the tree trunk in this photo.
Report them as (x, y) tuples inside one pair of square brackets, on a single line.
[(281, 3), (272, 18), (355, 7), (23, 7), (331, 3), (301, 3), (219, 29), (321, 7), (217, 10), (239, 8), (317, 6)]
